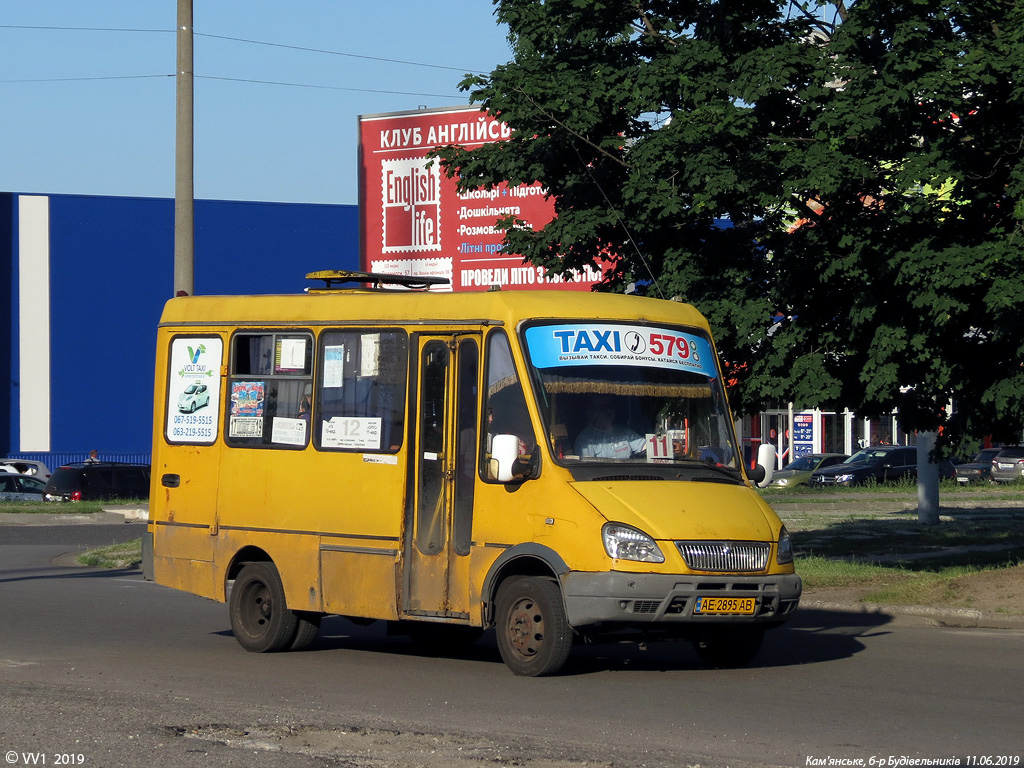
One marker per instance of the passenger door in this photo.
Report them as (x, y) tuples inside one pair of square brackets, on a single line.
[(439, 528)]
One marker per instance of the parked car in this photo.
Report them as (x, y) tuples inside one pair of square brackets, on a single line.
[(18, 487), (97, 482), (1008, 465), (799, 472), (195, 396), (978, 468), (880, 463), (26, 467)]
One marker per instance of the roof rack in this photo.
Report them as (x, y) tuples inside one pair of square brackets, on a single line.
[(333, 278)]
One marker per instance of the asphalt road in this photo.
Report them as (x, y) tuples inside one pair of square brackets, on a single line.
[(105, 669)]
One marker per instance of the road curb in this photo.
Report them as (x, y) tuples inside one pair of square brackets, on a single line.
[(130, 514), (947, 617), (66, 518)]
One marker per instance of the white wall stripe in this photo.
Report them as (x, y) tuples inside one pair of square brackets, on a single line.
[(34, 321)]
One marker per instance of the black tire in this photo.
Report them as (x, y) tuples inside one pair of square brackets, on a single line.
[(260, 617), (306, 631), (534, 636), (730, 648)]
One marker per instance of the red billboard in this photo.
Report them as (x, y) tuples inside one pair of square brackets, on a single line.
[(414, 222)]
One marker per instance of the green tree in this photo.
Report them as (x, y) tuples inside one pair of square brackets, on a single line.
[(901, 288), (869, 173)]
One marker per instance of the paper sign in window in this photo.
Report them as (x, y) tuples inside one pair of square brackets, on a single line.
[(288, 431), (246, 426), (291, 354), (334, 366), (350, 432)]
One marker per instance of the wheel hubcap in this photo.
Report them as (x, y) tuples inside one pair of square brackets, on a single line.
[(260, 608), (526, 627)]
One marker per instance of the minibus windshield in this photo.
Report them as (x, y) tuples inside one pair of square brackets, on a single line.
[(630, 393)]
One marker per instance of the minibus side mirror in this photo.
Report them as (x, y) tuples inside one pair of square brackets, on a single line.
[(507, 463), (761, 475)]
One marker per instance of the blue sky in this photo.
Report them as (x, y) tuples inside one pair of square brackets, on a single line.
[(92, 112)]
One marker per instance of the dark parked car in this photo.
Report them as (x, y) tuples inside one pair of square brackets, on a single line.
[(1008, 465), (978, 468), (880, 463), (98, 482)]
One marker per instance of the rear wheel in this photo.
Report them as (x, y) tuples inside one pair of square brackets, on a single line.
[(260, 617), (730, 648), (533, 633), (306, 631)]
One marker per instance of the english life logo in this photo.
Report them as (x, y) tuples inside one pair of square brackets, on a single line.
[(411, 206)]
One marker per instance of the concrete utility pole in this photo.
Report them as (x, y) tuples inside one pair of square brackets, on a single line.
[(184, 190), (927, 481)]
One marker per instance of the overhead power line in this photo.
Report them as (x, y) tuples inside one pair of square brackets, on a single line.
[(333, 53), (79, 79), (325, 51), (324, 87), (232, 80), (82, 29)]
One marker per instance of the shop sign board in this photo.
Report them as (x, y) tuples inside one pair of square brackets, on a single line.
[(803, 434), (413, 220)]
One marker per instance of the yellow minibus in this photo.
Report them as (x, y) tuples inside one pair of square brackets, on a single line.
[(559, 466)]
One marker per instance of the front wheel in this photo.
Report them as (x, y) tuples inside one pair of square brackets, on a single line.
[(729, 648), (533, 633), (260, 617)]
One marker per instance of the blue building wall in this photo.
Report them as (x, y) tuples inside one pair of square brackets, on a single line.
[(111, 270)]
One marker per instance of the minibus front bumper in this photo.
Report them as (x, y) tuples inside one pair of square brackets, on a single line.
[(675, 599)]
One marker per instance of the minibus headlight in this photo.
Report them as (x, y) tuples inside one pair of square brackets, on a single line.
[(624, 543), (785, 548)]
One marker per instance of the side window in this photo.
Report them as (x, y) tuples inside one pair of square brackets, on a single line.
[(360, 394), (269, 388), (505, 404)]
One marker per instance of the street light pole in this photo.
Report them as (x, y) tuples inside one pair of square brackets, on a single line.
[(184, 190)]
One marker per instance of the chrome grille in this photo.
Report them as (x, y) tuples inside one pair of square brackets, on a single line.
[(728, 556)]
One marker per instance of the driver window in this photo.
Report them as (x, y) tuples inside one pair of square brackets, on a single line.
[(505, 403)]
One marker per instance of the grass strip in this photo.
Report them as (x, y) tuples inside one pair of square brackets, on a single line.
[(65, 508), (127, 554)]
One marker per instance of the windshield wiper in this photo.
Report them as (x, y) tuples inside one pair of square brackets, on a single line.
[(730, 472)]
